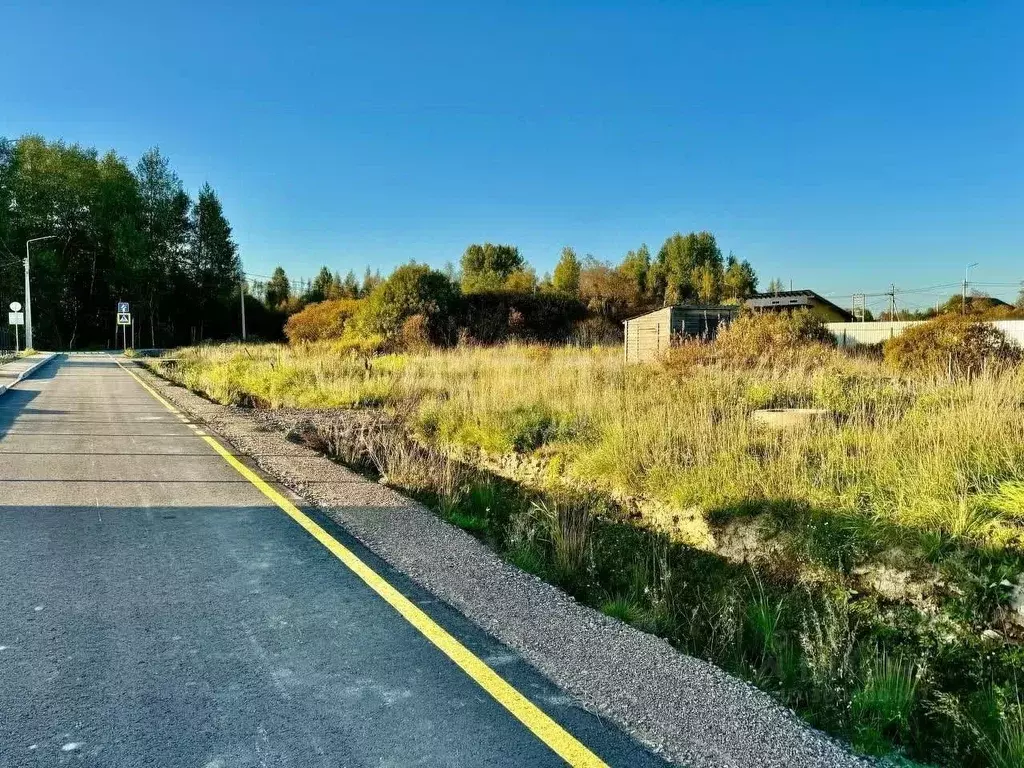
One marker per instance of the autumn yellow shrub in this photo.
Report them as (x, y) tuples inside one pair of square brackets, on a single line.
[(766, 340), (321, 321), (951, 345)]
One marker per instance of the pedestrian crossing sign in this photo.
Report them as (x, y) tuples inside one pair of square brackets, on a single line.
[(123, 318)]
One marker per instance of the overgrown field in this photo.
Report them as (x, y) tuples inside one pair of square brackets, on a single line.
[(866, 569)]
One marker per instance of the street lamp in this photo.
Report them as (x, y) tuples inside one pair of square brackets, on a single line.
[(28, 291), (963, 301)]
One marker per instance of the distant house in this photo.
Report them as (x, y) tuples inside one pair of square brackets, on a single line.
[(652, 333), (783, 301)]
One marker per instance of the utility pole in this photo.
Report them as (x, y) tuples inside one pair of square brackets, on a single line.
[(963, 301), (859, 305), (241, 290), (892, 302), (28, 291)]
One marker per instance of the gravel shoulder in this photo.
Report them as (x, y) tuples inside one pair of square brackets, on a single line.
[(685, 709)]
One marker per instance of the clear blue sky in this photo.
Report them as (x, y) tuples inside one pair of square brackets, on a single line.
[(845, 148)]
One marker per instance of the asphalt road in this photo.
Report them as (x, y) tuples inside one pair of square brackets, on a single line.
[(156, 609)]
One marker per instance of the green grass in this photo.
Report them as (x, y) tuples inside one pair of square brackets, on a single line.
[(468, 521), (568, 527), (527, 558), (622, 608), (1005, 748), (881, 707), (764, 615), (849, 570)]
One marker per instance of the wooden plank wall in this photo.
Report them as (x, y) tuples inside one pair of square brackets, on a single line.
[(648, 336)]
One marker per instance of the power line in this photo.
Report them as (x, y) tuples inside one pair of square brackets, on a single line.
[(927, 289), (884, 294)]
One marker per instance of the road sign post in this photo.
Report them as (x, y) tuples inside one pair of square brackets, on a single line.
[(124, 319), (16, 317)]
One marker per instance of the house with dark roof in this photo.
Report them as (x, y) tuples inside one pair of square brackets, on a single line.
[(787, 301)]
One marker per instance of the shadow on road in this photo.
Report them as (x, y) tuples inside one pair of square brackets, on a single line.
[(13, 404)]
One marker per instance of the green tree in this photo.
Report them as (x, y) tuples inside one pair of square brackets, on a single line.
[(320, 288), (349, 286), (215, 267), (336, 290), (521, 281), (707, 283), (9, 260), (636, 267), (487, 267), (164, 230), (370, 281), (776, 285), (278, 289), (739, 281), (688, 268), (93, 207), (412, 289), (120, 235), (566, 277)]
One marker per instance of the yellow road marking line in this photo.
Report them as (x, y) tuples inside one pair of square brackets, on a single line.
[(560, 741)]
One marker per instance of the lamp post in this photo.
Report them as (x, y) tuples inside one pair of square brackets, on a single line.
[(963, 301), (241, 290), (28, 291)]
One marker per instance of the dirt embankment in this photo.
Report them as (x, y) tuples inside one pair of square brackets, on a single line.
[(353, 437)]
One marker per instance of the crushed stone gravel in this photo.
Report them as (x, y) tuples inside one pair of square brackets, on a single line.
[(683, 708)]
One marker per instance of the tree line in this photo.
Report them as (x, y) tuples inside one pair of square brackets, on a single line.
[(687, 269), (118, 234), (122, 233), (494, 294)]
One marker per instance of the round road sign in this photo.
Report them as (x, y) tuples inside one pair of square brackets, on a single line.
[(15, 306)]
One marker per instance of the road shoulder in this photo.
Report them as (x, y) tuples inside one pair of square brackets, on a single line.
[(20, 368)]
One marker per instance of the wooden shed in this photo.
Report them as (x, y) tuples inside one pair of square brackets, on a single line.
[(650, 334)]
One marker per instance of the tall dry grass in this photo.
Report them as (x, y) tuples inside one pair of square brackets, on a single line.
[(924, 454)]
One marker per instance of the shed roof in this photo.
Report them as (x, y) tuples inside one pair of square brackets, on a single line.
[(694, 307), (762, 299)]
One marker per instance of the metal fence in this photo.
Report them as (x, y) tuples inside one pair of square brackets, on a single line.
[(852, 334), (6, 331), (6, 340)]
